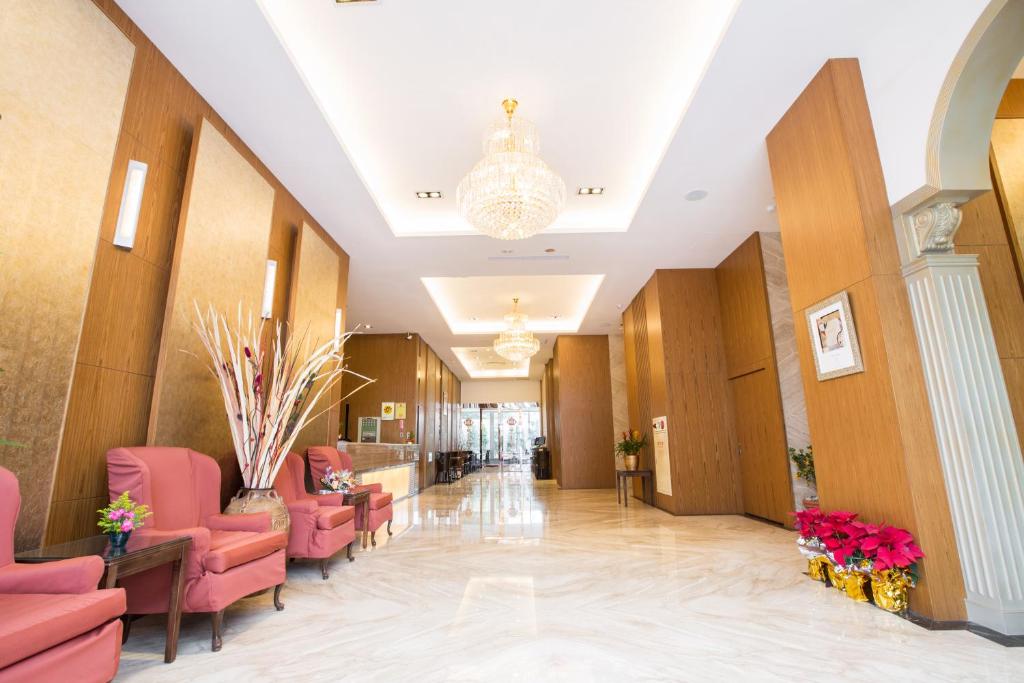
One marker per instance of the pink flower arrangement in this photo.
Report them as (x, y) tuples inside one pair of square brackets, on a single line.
[(122, 516), (850, 542)]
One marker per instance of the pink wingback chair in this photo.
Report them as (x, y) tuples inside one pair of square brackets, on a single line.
[(231, 556), (55, 624), (381, 509), (321, 525)]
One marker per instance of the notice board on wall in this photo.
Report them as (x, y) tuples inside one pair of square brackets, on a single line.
[(662, 464)]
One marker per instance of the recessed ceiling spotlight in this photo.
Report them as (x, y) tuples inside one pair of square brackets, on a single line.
[(428, 194), (696, 195), (590, 190), (554, 317), (368, 326), (770, 208), (549, 250), (506, 251)]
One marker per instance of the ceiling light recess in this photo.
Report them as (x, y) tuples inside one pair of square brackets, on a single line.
[(695, 195), (429, 194), (590, 190), (511, 194), (516, 343)]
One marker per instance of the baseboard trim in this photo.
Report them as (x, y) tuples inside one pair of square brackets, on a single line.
[(976, 629)]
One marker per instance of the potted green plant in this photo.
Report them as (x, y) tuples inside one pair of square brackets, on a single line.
[(804, 461), (630, 446)]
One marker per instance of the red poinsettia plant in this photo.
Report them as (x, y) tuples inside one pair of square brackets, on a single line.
[(851, 542), (889, 547)]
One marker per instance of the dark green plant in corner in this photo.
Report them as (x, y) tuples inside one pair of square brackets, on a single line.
[(804, 459)]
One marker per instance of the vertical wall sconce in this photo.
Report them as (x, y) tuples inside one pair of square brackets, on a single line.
[(268, 289), (337, 328), (131, 204)]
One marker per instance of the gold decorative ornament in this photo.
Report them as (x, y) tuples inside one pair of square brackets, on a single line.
[(854, 586)]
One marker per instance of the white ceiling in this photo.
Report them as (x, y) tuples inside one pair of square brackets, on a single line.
[(481, 362), (477, 305), (230, 51), (411, 87)]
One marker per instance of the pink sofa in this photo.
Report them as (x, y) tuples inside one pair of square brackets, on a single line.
[(231, 556), (320, 525), (381, 509), (54, 624)]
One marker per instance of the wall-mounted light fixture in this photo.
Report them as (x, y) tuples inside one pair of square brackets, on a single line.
[(338, 316), (269, 280), (131, 204)]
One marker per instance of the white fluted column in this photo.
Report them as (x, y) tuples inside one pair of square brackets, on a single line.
[(981, 455)]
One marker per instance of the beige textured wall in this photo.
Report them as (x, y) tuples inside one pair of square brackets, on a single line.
[(620, 404), (794, 407), (220, 259), (314, 302), (64, 71)]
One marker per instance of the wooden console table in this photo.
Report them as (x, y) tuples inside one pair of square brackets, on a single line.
[(622, 478)]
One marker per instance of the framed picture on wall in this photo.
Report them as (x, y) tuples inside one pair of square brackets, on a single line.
[(834, 338)]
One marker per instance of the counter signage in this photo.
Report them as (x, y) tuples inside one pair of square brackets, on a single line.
[(369, 430)]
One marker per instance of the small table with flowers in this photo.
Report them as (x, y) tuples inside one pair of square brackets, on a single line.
[(361, 500), (621, 480), (140, 554)]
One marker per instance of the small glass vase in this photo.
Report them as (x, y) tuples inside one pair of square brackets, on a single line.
[(118, 539)]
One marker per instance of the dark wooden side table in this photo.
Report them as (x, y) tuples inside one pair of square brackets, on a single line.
[(361, 500), (622, 478), (141, 553)]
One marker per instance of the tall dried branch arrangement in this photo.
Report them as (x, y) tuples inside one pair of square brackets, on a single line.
[(268, 400)]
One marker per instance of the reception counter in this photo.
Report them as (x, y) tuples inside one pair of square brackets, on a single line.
[(393, 465)]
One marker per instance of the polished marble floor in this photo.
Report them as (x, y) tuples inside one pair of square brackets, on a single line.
[(500, 578)]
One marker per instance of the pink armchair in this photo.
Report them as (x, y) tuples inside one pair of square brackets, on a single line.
[(381, 508), (320, 525), (231, 556), (55, 624)]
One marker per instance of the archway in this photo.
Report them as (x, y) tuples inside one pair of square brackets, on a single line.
[(982, 463)]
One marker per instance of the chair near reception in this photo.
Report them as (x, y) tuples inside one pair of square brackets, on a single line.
[(231, 556), (380, 508), (321, 525), (55, 624)]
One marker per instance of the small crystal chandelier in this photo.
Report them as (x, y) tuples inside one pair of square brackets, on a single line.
[(516, 343), (511, 194)]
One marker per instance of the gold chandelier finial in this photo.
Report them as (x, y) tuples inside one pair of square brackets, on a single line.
[(510, 105)]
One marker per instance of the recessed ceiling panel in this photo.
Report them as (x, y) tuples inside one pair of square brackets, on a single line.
[(411, 87), (477, 305), (481, 362)]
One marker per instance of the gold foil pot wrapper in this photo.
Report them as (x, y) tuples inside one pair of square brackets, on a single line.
[(817, 567), (854, 585), (889, 589)]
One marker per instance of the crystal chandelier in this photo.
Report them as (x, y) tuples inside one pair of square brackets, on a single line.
[(511, 194), (516, 343)]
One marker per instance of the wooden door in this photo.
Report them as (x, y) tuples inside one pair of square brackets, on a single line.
[(761, 438)]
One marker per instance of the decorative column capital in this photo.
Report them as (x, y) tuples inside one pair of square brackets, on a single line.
[(935, 226)]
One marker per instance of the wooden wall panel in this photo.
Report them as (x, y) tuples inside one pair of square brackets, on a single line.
[(57, 144), (314, 301), (225, 219), (124, 316), (746, 320), (754, 385), (390, 359), (1012, 104), (584, 406), (874, 444), (705, 466)]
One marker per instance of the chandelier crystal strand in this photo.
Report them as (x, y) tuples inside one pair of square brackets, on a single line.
[(511, 194), (516, 343)]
